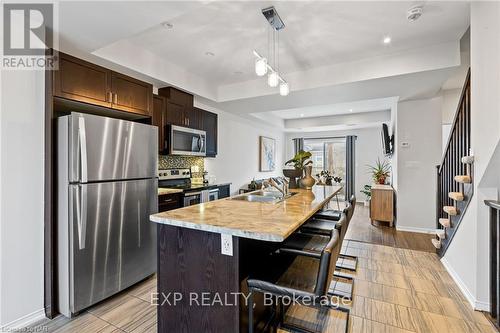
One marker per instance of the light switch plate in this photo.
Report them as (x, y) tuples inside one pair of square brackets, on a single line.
[(226, 244)]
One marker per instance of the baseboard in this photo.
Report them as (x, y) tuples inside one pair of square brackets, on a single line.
[(476, 305), (413, 229), (24, 321)]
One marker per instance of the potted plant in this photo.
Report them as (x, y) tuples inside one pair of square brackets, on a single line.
[(300, 163), (325, 177), (380, 171), (368, 194)]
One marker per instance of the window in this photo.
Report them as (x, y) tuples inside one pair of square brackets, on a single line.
[(328, 154)]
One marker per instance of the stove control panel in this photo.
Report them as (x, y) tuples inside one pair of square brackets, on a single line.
[(164, 174)]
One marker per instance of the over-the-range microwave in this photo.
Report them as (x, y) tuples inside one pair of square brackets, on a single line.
[(186, 141)]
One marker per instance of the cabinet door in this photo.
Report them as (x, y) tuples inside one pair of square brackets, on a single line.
[(175, 114), (169, 202), (224, 191), (131, 95), (193, 117), (209, 125), (82, 81), (158, 119)]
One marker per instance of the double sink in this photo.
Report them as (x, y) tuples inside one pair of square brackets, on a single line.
[(263, 196)]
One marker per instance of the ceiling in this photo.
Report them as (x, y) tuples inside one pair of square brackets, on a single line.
[(326, 50), (317, 34), (371, 105)]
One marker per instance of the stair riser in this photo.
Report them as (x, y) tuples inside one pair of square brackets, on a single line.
[(461, 206)]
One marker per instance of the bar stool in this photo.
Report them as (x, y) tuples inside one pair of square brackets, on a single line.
[(311, 244), (266, 281), (323, 226)]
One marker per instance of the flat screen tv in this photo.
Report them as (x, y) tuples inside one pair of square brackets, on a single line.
[(386, 140)]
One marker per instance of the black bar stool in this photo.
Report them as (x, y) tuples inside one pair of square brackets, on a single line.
[(323, 222), (311, 244), (266, 281)]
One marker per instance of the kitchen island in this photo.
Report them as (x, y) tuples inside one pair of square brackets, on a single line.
[(200, 289)]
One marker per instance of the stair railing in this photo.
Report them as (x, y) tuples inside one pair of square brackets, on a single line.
[(458, 145)]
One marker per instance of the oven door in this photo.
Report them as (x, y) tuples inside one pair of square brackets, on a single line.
[(192, 198), (187, 141)]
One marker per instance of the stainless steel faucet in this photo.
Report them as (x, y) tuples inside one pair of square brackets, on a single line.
[(283, 189)]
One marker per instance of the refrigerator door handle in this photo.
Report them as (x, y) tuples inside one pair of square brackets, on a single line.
[(82, 138), (82, 216)]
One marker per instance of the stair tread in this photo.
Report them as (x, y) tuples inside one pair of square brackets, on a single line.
[(457, 196), (441, 233), (445, 222), (436, 243), (463, 179), (468, 159), (451, 210)]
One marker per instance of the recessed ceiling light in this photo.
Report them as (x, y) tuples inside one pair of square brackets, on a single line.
[(210, 54), (387, 40), (350, 110), (167, 25), (301, 115)]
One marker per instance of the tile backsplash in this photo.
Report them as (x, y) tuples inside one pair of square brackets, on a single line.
[(175, 162)]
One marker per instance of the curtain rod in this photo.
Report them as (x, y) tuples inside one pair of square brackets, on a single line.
[(327, 137)]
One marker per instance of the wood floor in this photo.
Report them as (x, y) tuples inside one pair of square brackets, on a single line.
[(400, 287), (360, 229)]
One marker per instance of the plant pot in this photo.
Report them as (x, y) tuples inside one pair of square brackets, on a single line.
[(307, 181), (367, 203), (292, 174), (381, 180)]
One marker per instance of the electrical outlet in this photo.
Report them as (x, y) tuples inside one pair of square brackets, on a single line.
[(226, 244)]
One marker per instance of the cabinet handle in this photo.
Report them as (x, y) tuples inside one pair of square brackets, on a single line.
[(188, 121), (168, 200), (115, 98), (110, 97)]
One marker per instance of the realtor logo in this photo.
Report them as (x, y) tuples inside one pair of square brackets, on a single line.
[(28, 33)]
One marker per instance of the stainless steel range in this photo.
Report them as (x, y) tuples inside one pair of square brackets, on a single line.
[(181, 179)]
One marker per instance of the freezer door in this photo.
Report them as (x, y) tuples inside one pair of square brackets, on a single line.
[(113, 243), (102, 149)]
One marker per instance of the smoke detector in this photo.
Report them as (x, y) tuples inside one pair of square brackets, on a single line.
[(414, 13)]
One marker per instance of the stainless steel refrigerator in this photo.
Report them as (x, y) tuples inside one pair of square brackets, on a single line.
[(107, 188)]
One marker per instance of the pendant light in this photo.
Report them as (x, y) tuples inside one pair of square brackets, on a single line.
[(262, 65)]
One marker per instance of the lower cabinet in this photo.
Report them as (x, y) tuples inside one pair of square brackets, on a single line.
[(169, 202), (224, 191)]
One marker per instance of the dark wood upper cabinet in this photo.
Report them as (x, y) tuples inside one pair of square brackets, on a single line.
[(81, 81), (180, 110), (158, 119), (131, 95), (193, 117), (209, 124), (175, 114)]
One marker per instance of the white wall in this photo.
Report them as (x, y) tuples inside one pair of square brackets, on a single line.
[(237, 160), (21, 207), (468, 254), (368, 149), (418, 124)]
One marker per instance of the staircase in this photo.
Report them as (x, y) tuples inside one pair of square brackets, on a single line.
[(454, 175)]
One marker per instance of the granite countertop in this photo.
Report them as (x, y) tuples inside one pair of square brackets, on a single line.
[(255, 220), (163, 191)]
